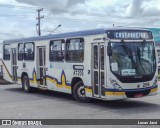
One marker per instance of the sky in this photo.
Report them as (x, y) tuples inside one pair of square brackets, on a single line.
[(18, 17)]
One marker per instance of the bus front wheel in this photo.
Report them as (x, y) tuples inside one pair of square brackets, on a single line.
[(79, 92)]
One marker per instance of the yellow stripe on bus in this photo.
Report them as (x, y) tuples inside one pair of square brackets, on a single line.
[(6, 70), (34, 79), (154, 90), (88, 90), (63, 85)]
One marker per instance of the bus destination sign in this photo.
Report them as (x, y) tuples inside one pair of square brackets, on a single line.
[(129, 35)]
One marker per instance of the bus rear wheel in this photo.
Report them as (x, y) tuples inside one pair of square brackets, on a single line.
[(26, 85), (79, 92)]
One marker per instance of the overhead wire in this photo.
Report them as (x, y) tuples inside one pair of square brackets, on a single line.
[(58, 18)]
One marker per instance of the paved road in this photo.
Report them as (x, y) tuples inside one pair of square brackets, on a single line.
[(14, 103)]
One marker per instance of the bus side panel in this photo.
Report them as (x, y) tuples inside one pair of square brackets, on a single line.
[(28, 67), (31, 66), (7, 70), (19, 70), (87, 67), (31, 72), (57, 77)]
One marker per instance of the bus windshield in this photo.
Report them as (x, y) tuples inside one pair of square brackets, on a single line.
[(133, 58)]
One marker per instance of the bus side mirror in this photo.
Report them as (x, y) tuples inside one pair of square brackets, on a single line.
[(109, 50)]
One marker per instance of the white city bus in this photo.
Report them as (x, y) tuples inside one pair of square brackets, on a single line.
[(158, 60), (108, 64)]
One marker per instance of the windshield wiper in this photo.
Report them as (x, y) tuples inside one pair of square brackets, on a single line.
[(129, 53), (139, 57), (126, 49)]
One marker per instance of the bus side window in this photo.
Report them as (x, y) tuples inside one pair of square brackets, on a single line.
[(6, 52), (20, 51), (57, 50), (29, 51), (75, 50)]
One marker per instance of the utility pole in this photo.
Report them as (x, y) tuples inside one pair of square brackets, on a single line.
[(39, 21)]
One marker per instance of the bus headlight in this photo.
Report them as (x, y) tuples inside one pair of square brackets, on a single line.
[(155, 83), (116, 85)]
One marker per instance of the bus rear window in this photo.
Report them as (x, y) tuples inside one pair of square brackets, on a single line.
[(29, 51), (6, 52), (75, 50)]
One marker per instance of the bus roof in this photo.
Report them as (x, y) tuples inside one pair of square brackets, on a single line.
[(69, 34)]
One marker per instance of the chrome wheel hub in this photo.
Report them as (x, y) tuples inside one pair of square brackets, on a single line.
[(81, 92)]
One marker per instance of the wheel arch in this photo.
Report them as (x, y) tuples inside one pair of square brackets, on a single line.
[(22, 75), (74, 81)]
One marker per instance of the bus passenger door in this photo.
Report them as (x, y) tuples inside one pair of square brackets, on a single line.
[(98, 70), (42, 66), (14, 64)]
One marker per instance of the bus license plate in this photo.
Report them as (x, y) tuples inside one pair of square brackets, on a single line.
[(138, 95)]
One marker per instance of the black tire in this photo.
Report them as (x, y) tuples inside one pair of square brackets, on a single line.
[(79, 93), (26, 85)]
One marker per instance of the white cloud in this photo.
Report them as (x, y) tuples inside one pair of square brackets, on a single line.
[(143, 8), (94, 14), (50, 4), (75, 15), (8, 1)]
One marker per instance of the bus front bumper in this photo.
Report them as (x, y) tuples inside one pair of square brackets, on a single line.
[(114, 94)]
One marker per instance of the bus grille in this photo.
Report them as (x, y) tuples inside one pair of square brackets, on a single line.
[(136, 94)]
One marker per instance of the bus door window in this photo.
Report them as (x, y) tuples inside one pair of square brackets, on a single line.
[(95, 57), (98, 70), (42, 65), (96, 79), (102, 79), (40, 57)]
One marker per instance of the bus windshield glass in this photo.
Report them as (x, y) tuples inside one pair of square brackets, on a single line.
[(133, 58)]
